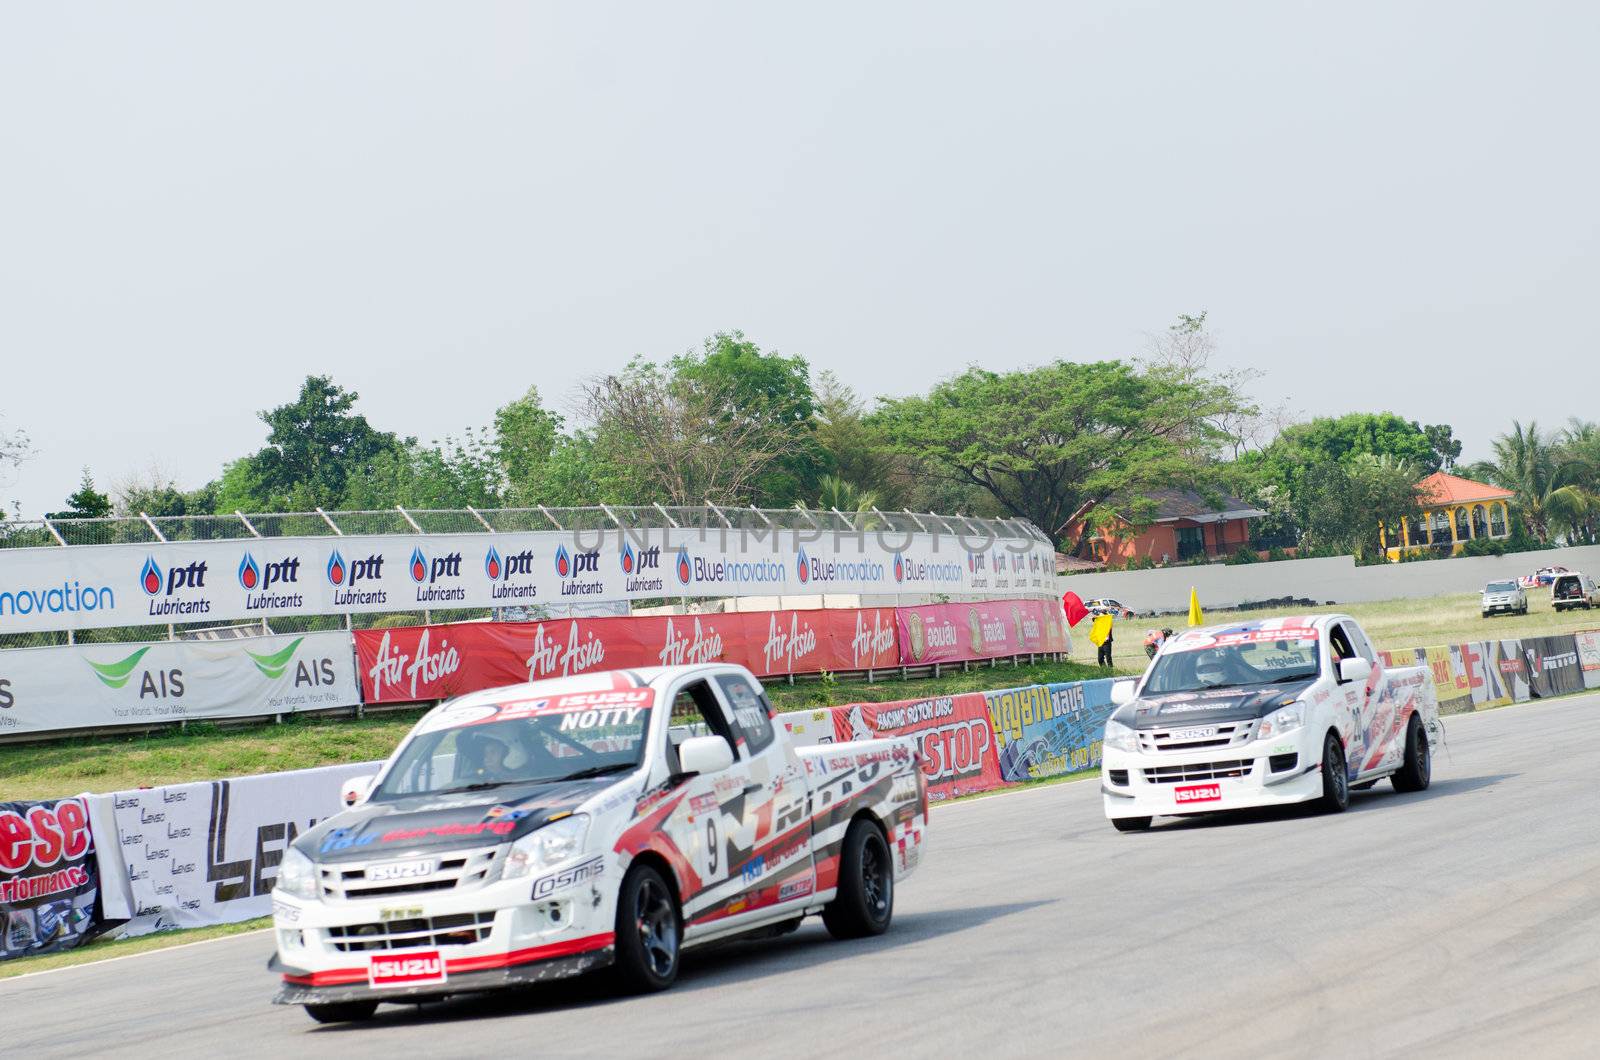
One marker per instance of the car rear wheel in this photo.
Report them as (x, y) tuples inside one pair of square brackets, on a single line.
[(1335, 782), (649, 931), (1416, 772), (1130, 824), (865, 902), (342, 1011)]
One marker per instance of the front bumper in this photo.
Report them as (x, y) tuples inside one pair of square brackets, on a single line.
[(470, 939), (1498, 606), (1162, 784)]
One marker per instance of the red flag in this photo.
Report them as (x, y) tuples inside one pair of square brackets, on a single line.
[(1073, 606)]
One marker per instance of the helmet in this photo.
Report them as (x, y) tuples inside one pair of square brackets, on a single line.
[(1209, 668)]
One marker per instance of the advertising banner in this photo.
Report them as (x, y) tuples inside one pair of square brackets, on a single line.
[(1588, 642), (208, 853), (944, 633), (1049, 730), (413, 663), (47, 876), (959, 754), (91, 586), (50, 689), (1552, 665)]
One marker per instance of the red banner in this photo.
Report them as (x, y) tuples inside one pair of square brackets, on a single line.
[(959, 751), (941, 633), (414, 663)]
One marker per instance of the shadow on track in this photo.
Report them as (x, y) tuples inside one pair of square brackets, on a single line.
[(718, 965), (1375, 798)]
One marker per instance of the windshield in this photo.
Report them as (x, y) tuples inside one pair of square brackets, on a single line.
[(1229, 660), (1500, 587), (492, 745)]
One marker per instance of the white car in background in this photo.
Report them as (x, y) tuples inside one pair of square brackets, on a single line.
[(1265, 713), (1505, 597), (1574, 590)]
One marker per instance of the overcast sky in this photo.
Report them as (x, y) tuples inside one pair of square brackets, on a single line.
[(1382, 205)]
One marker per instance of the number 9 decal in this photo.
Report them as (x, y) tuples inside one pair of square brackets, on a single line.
[(711, 845)]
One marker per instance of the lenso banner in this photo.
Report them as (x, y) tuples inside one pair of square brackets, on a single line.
[(413, 663), (188, 855), (86, 587), (49, 689)]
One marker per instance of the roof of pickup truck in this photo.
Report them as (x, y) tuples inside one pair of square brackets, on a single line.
[(656, 677), (1262, 629)]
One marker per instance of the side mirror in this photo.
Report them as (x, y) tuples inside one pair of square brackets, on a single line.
[(355, 789), (1122, 692), (704, 754), (1354, 670)]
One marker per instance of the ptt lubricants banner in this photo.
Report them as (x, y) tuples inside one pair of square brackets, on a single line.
[(90, 685)]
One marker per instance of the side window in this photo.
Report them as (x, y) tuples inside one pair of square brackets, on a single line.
[(749, 712), (1339, 648), (1358, 641), (696, 705)]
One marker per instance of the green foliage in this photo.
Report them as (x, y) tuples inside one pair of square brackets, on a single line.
[(526, 435), (1050, 443), (1244, 554), (86, 503), (1482, 546), (1277, 553), (316, 446)]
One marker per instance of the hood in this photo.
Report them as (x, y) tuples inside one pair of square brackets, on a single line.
[(400, 827), (1210, 705)]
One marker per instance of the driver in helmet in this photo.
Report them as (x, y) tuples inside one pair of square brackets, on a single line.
[(493, 754), (1211, 669)]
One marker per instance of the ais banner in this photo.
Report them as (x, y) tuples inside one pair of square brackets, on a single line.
[(83, 587), (50, 689), (942, 633), (188, 855), (415, 663), (47, 876), (1049, 730), (958, 748)]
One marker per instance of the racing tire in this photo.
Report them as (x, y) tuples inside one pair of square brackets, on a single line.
[(1416, 771), (1335, 781), (1130, 824), (864, 904), (649, 932), (342, 1011)]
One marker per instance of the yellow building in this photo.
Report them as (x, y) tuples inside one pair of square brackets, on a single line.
[(1455, 510)]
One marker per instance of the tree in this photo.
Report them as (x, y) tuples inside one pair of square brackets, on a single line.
[(315, 447), (1049, 444), (731, 425), (525, 436), (14, 449), (452, 474), (1185, 353), (1446, 447), (1526, 461), (86, 503)]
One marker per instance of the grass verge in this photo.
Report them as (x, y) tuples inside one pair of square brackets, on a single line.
[(205, 751), (102, 951)]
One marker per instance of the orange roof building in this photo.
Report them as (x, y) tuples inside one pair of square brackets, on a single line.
[(1455, 510)]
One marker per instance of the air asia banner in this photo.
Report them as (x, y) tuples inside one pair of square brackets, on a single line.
[(47, 876), (432, 662), (1049, 730), (91, 586), (188, 855), (50, 689), (958, 749), (941, 633)]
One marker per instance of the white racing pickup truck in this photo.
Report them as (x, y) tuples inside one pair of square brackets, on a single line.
[(542, 830), (1262, 713)]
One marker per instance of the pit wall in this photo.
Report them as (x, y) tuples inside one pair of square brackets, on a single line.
[(1331, 580)]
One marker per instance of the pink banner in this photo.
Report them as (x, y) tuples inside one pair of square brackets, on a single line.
[(941, 633)]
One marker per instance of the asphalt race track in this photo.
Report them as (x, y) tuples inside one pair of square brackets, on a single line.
[(1465, 920)]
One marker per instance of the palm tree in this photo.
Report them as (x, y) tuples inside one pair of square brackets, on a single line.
[(1534, 466)]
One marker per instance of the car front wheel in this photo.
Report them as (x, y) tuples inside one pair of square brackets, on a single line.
[(1335, 782), (649, 931)]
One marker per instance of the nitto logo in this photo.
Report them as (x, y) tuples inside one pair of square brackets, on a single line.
[(192, 576), (255, 576), (341, 574)]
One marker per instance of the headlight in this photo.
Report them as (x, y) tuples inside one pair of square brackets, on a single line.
[(550, 845), (1120, 737), (297, 875), (1281, 721)]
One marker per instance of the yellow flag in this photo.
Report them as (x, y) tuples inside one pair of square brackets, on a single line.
[(1195, 617), (1100, 630)]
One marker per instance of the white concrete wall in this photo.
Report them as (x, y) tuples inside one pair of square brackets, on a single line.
[(1335, 580)]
